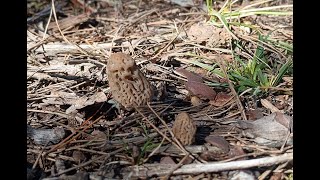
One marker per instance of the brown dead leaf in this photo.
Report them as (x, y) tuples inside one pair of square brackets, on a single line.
[(188, 160), (99, 135), (195, 85), (276, 176), (204, 32), (237, 151), (221, 99), (285, 120), (190, 75), (219, 142), (46, 136), (70, 21), (267, 104), (254, 114), (201, 32), (205, 74), (167, 160), (213, 155), (201, 90), (76, 102), (214, 58), (267, 131), (281, 101)]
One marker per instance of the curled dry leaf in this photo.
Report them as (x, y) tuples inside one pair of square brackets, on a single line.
[(214, 155), (184, 128), (285, 120), (221, 99), (204, 32), (254, 114), (86, 101), (167, 160), (219, 142), (68, 22), (99, 135), (45, 136), (201, 90), (221, 151), (241, 174), (128, 85), (277, 176), (268, 131), (188, 160), (237, 151), (189, 75), (267, 104), (201, 32), (195, 85), (76, 102)]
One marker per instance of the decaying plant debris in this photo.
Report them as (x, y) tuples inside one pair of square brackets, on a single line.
[(77, 130)]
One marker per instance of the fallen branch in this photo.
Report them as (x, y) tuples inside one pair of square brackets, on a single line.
[(149, 170), (54, 48)]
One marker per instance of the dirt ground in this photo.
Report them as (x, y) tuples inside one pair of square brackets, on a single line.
[(159, 89)]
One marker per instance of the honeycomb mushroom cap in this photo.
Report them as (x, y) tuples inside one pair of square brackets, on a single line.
[(184, 128), (127, 83)]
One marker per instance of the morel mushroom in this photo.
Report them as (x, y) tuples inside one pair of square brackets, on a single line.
[(184, 129), (128, 85)]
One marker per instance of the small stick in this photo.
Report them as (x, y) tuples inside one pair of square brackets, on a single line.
[(175, 168), (159, 169)]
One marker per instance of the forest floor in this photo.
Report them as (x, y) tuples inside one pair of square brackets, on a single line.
[(227, 65)]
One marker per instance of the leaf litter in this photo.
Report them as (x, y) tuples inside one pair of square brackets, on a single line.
[(179, 52)]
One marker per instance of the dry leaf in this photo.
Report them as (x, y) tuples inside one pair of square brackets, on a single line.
[(76, 102), (195, 85), (237, 151), (188, 160), (285, 120), (277, 176), (241, 174), (267, 131), (45, 136), (254, 114), (167, 160), (70, 21), (201, 32), (214, 155), (265, 103), (83, 101), (190, 75), (201, 90), (214, 36), (221, 99), (98, 135), (219, 142)]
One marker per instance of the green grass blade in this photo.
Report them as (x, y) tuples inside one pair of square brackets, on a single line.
[(243, 80), (284, 69)]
